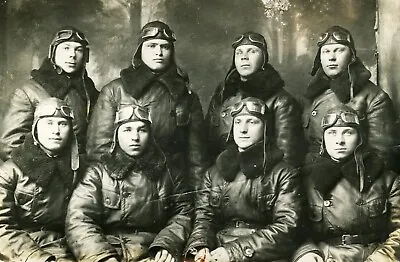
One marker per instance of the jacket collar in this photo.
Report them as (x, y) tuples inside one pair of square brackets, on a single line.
[(357, 77), (326, 173), (152, 163), (137, 80), (250, 161), (59, 84), (262, 84), (40, 167)]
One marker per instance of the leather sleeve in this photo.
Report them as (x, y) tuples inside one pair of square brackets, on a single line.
[(15, 243), (211, 130), (203, 234), (288, 128), (381, 122), (175, 234), (84, 219), (16, 122), (101, 126), (390, 249), (197, 147), (277, 240)]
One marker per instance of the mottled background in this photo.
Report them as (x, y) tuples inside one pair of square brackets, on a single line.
[(205, 30)]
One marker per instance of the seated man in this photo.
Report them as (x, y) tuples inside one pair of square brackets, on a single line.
[(35, 186), (130, 206), (249, 205), (353, 200)]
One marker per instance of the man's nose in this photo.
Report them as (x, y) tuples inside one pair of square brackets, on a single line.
[(340, 140), (135, 136)]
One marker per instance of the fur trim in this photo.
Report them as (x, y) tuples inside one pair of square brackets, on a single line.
[(250, 161), (137, 80), (58, 85), (263, 84), (152, 163), (40, 167), (326, 173), (356, 78)]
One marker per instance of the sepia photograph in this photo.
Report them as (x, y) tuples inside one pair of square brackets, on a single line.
[(199, 130)]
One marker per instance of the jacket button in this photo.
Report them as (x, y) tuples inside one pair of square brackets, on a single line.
[(327, 203), (314, 113), (126, 194), (248, 252)]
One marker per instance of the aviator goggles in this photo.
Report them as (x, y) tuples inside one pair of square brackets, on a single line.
[(68, 34), (251, 106), (252, 38), (150, 32), (347, 117), (132, 112), (338, 36), (51, 110)]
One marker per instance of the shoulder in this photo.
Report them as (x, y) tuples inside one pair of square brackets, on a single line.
[(113, 85), (373, 91), (283, 171), (9, 171)]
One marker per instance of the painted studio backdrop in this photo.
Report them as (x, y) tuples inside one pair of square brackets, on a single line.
[(205, 30)]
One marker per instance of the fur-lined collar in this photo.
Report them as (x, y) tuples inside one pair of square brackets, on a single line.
[(136, 80), (250, 161), (152, 163), (262, 84), (40, 167), (327, 173), (58, 85), (357, 77)]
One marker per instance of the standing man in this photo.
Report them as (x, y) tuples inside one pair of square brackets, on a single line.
[(251, 75), (341, 78), (154, 81), (61, 75)]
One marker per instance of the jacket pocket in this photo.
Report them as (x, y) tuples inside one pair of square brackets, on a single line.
[(377, 207), (23, 200), (111, 199), (315, 213)]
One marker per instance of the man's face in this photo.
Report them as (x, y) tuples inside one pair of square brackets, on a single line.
[(247, 131), (53, 133), (157, 54), (133, 137), (69, 56), (248, 60), (340, 142), (334, 59)]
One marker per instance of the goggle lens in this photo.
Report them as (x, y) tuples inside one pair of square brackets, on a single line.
[(251, 106), (65, 111), (67, 34), (337, 36), (129, 112), (348, 118), (253, 38), (153, 31)]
